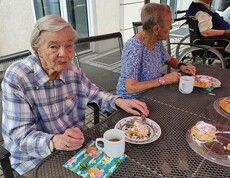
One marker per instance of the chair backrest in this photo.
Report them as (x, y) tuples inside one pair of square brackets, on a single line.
[(5, 62), (193, 28), (137, 27), (100, 59)]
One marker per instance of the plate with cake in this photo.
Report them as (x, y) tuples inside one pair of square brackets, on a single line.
[(205, 81), (137, 131), (222, 106), (211, 141)]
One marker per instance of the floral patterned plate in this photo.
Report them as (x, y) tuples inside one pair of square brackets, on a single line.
[(154, 130)]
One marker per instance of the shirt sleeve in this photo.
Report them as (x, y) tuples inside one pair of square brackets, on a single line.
[(19, 124), (204, 21), (132, 59), (164, 53)]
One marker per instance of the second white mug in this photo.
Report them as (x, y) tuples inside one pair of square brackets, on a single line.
[(186, 84)]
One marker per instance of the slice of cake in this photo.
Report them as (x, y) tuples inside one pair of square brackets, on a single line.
[(138, 129), (225, 105), (203, 82), (203, 131)]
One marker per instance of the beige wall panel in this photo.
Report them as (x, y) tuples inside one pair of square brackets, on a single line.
[(16, 22), (106, 17)]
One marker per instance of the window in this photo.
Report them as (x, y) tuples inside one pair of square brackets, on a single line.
[(74, 11), (46, 7)]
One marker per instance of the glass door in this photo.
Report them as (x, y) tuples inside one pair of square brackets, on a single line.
[(74, 11), (78, 16)]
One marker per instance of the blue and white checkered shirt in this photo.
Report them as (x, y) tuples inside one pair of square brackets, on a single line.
[(35, 108)]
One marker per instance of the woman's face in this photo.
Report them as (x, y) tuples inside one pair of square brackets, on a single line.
[(56, 51)]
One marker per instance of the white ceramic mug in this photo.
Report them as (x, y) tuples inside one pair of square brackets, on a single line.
[(114, 143), (186, 84)]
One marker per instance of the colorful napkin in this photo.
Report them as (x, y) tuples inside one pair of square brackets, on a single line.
[(90, 162)]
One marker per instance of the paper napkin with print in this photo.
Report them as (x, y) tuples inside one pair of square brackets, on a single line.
[(90, 162)]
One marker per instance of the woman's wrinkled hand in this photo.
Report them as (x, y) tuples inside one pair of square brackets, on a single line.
[(131, 106), (190, 69), (72, 139), (172, 77)]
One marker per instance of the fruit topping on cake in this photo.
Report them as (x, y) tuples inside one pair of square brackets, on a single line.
[(137, 129)]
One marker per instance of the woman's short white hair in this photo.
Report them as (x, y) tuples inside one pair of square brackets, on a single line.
[(153, 14), (49, 23)]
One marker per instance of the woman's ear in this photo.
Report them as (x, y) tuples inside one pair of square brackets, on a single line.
[(156, 29), (39, 53)]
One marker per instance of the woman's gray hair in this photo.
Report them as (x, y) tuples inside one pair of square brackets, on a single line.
[(153, 14), (49, 23)]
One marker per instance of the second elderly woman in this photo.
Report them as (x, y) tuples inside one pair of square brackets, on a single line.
[(144, 55)]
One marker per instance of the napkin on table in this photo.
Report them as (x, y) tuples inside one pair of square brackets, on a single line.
[(90, 162)]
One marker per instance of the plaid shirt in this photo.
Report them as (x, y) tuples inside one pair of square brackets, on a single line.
[(35, 108)]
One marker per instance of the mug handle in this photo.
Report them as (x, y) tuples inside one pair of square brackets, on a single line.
[(182, 86), (98, 140)]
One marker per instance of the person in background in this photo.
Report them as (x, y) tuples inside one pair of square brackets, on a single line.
[(45, 97), (210, 23), (143, 55)]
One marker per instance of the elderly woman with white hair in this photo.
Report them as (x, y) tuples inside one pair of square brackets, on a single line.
[(45, 97), (143, 55)]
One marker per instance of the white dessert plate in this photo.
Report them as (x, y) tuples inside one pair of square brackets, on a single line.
[(154, 130)]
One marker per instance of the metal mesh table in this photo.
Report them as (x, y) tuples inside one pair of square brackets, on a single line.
[(170, 155)]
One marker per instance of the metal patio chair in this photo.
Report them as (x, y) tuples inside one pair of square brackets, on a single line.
[(99, 57)]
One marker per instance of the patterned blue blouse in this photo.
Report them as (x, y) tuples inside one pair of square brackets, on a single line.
[(140, 64)]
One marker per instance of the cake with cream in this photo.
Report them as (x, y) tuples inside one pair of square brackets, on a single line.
[(203, 131), (138, 129)]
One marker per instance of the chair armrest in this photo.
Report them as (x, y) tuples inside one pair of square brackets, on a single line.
[(214, 38), (5, 163), (95, 112), (219, 42)]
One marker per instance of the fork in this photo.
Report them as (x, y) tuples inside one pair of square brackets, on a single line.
[(143, 118)]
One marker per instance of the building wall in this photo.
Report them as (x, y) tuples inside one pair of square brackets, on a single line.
[(16, 23), (17, 19), (129, 12), (105, 16)]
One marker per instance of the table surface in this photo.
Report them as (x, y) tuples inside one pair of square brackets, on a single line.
[(170, 155)]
